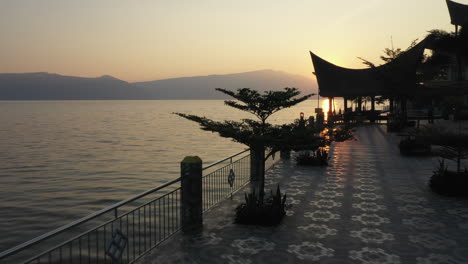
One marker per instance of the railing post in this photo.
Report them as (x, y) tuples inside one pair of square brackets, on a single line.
[(191, 198)]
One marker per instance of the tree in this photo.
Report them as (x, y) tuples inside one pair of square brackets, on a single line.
[(445, 46), (389, 54), (258, 134), (455, 145)]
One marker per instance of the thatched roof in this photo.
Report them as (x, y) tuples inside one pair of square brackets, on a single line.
[(393, 78), (458, 13)]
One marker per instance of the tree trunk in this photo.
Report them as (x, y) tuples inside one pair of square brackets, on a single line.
[(257, 170)]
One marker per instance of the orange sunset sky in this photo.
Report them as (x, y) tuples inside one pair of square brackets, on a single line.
[(144, 40)]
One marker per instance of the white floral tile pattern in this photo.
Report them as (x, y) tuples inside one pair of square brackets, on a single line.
[(253, 245), (294, 191), (461, 212), (332, 186), (328, 204), (372, 235), (328, 194), (432, 241), (422, 223), (235, 259), (322, 215), (319, 231), (370, 219), (415, 209), (374, 256), (291, 200), (436, 259), (312, 251), (366, 196), (206, 239), (298, 184), (370, 205), (367, 188), (410, 198)]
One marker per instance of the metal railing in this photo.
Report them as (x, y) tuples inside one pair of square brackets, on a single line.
[(122, 239), (216, 185), (226, 180), (125, 231)]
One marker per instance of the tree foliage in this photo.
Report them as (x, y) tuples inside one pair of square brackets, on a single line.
[(258, 132), (389, 54), (260, 135)]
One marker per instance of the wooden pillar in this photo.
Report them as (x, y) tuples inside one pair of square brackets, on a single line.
[(372, 119), (359, 103), (191, 194)]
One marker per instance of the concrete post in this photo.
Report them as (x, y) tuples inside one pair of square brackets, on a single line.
[(191, 194)]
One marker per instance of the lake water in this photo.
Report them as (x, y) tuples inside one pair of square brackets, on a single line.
[(62, 160)]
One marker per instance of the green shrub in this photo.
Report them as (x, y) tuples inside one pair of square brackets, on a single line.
[(449, 183), (259, 211), (410, 146)]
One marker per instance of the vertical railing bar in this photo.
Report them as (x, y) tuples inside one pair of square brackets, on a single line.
[(105, 244), (139, 231), (174, 227), (150, 226), (97, 246), (172, 212), (120, 227), (60, 255), (128, 243), (159, 220), (89, 249), (154, 222), (79, 245), (164, 217), (144, 227), (111, 232), (133, 224)]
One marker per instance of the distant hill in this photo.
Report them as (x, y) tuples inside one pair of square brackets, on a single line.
[(203, 87), (47, 86)]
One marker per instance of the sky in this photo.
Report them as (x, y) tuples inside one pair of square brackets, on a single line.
[(142, 40)]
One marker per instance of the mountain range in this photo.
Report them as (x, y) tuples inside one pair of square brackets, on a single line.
[(48, 86)]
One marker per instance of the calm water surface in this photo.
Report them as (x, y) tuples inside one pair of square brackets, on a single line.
[(62, 160)]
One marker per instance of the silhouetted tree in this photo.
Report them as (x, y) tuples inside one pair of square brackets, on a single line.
[(258, 134)]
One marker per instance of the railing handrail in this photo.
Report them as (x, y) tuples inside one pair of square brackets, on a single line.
[(61, 229), (223, 160)]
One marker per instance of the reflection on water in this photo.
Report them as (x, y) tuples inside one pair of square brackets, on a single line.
[(61, 160)]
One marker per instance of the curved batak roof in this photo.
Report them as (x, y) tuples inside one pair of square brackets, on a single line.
[(393, 78), (458, 13)]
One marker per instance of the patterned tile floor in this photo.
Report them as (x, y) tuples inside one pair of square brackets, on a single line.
[(371, 205)]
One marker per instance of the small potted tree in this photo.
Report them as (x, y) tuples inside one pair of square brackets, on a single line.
[(454, 147)]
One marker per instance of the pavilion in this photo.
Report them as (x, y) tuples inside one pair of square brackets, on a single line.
[(395, 80)]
